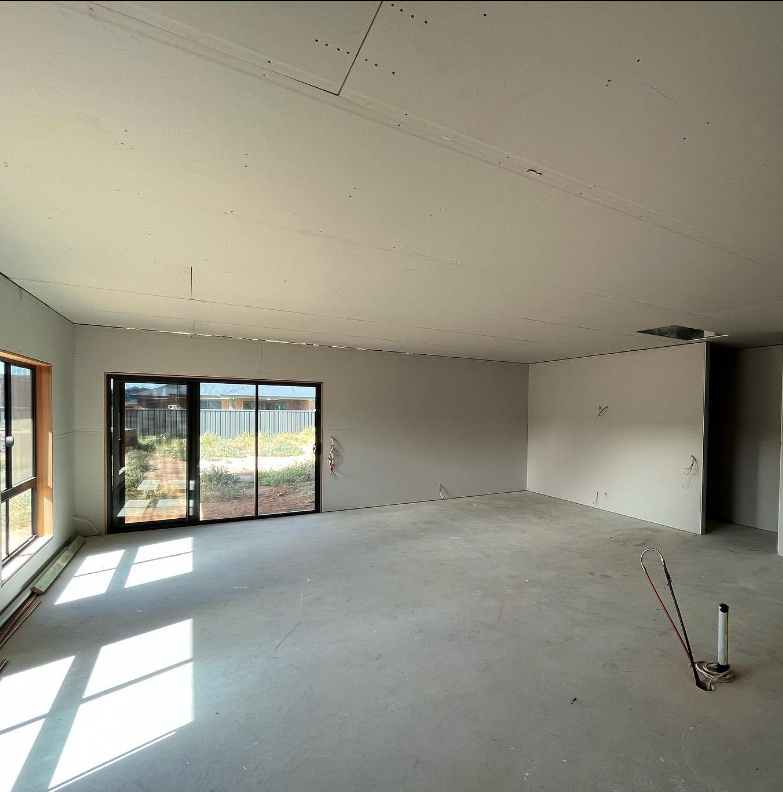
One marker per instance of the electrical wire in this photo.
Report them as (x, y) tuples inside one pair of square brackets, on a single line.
[(689, 472), (683, 637), (710, 672)]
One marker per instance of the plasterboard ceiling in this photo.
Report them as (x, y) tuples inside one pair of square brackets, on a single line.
[(511, 181)]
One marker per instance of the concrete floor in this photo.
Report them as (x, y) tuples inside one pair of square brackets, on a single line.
[(507, 642)]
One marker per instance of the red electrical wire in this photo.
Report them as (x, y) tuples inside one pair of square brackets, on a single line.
[(683, 637), (671, 621)]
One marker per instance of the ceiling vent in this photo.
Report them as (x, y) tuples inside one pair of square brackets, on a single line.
[(680, 333)]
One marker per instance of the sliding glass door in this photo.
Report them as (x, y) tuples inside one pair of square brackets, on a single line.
[(185, 451), (286, 448), (17, 457), (150, 471), (227, 450)]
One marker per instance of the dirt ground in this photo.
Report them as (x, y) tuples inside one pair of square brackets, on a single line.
[(271, 500)]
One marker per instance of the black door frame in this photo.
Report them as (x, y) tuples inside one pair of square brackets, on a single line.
[(14, 488), (115, 382)]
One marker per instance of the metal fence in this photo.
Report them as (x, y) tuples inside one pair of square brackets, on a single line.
[(224, 423)]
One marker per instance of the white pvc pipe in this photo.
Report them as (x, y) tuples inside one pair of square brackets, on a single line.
[(723, 637)]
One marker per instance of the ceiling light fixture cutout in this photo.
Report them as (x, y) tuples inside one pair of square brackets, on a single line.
[(680, 333)]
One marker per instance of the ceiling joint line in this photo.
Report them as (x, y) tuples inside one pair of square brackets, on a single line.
[(359, 49), (218, 57), (303, 343)]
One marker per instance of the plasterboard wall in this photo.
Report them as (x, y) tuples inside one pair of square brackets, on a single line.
[(29, 328), (403, 423), (630, 459), (743, 452)]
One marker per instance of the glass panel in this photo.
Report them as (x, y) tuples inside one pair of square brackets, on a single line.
[(21, 424), (20, 519), (227, 444), (154, 452), (286, 455)]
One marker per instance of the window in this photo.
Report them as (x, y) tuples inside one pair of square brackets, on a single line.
[(248, 405), (268, 404), (210, 404), (17, 456)]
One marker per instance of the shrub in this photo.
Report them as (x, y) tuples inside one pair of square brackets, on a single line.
[(277, 445), (165, 445), (220, 484), (173, 447), (305, 436), (298, 473), (215, 447), (245, 443), (147, 442), (137, 465), (21, 510)]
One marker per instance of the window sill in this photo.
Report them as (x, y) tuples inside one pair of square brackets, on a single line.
[(12, 565)]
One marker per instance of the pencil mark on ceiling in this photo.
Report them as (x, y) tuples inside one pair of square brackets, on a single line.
[(652, 87), (286, 637)]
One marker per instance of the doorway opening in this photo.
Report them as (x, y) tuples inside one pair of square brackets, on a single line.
[(743, 437), (190, 450)]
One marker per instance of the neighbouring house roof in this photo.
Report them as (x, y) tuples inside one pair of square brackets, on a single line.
[(218, 390)]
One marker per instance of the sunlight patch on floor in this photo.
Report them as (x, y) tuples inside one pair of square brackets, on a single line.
[(25, 698), (92, 577), (160, 561)]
